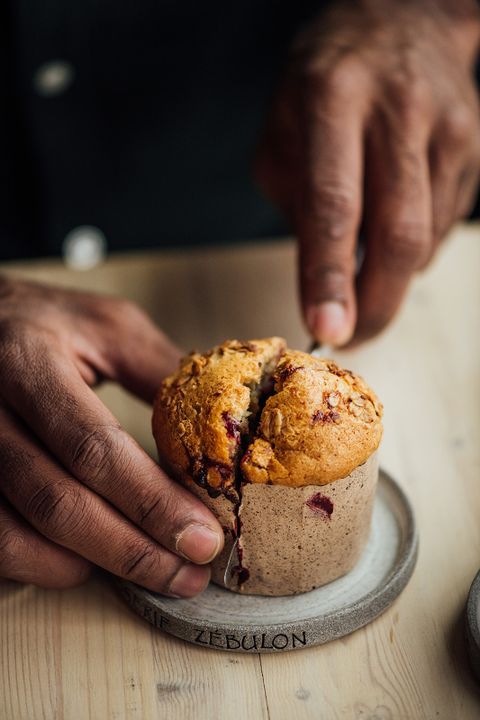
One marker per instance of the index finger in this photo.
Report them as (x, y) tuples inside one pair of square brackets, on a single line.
[(86, 438), (330, 208)]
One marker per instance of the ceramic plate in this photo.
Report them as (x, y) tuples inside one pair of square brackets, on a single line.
[(222, 620), (473, 625)]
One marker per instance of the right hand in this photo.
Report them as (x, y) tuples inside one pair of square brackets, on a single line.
[(376, 124), (75, 488)]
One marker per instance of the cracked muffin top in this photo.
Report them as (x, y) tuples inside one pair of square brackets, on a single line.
[(258, 412)]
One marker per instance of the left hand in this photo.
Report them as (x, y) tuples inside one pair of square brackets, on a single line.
[(75, 487), (377, 123)]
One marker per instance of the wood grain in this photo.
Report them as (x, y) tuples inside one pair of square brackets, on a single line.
[(82, 654)]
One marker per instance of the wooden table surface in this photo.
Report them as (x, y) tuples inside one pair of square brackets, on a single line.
[(83, 655)]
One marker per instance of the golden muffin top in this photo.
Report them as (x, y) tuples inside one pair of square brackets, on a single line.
[(258, 412)]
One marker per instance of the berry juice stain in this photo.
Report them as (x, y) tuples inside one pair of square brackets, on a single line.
[(240, 571), (321, 504), (232, 426), (242, 574)]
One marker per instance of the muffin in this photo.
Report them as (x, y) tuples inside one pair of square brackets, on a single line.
[(281, 446)]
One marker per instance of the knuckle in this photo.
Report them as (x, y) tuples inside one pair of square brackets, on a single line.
[(458, 125), (139, 562), (13, 550), (329, 280), (409, 94), (58, 509), (163, 504), (338, 80), (122, 311), (148, 507), (405, 248), (98, 450), (334, 209)]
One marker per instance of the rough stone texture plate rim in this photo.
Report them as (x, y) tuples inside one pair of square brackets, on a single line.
[(166, 613), (472, 624)]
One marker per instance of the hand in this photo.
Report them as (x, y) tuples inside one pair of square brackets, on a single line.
[(376, 124), (75, 488)]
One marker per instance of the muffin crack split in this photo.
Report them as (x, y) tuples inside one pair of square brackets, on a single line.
[(247, 426)]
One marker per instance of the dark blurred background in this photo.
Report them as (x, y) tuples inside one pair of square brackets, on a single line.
[(139, 119)]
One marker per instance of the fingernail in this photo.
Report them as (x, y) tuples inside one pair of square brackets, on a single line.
[(198, 543), (327, 322), (189, 581)]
